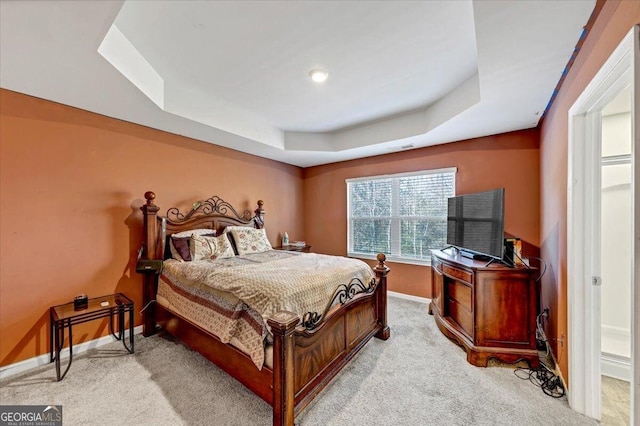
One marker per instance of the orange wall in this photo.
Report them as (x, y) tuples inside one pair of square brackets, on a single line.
[(72, 183), (614, 21), (508, 160)]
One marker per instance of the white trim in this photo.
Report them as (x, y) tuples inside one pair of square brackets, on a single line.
[(399, 175), (393, 259), (583, 306), (635, 228), (616, 341), (37, 361), (395, 218), (583, 214), (418, 299), (617, 332), (614, 160), (618, 367)]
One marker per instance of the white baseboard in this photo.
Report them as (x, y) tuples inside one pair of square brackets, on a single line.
[(28, 364), (618, 367), (623, 332), (408, 297), (616, 340)]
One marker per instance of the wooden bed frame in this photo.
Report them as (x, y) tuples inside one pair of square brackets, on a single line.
[(305, 356)]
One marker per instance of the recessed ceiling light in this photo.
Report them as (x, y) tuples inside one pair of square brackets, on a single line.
[(319, 76)]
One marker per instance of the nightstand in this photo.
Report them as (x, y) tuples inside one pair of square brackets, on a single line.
[(65, 316), (303, 249)]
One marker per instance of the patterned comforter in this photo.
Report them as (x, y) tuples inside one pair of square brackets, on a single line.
[(233, 297)]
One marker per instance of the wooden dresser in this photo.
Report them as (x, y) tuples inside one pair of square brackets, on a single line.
[(489, 310)]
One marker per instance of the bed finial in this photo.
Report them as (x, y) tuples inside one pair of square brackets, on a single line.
[(259, 215), (381, 266), (150, 196)]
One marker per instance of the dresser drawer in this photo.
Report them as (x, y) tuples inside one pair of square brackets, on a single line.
[(460, 293), (457, 273), (462, 317)]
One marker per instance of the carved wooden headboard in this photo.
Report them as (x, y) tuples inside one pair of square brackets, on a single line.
[(212, 213)]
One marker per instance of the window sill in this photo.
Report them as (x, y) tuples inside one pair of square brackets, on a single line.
[(392, 259)]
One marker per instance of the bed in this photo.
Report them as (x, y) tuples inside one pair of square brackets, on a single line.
[(304, 350)]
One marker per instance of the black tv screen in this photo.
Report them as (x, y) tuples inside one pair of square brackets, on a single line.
[(475, 222)]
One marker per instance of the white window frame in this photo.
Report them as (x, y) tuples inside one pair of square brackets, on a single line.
[(395, 215)]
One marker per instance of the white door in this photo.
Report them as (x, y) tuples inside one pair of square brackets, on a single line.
[(622, 70)]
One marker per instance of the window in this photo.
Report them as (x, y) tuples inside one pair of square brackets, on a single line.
[(402, 215)]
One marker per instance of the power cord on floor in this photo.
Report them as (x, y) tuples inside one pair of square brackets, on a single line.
[(543, 376)]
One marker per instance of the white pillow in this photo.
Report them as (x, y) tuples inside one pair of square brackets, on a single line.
[(227, 230), (186, 235), (249, 240), (210, 247)]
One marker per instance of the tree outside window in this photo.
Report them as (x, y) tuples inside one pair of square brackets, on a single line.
[(403, 216)]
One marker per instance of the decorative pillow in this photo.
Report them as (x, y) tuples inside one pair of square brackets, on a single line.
[(210, 247), (249, 240), (227, 230), (179, 243)]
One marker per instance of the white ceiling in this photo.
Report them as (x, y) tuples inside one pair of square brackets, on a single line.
[(401, 74)]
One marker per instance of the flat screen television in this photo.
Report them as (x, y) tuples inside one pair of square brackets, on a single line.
[(475, 223)]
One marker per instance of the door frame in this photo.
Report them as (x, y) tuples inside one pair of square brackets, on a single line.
[(583, 229)]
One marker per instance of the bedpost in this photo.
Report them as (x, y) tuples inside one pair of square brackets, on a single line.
[(259, 215), (150, 225), (149, 242), (382, 271), (282, 325)]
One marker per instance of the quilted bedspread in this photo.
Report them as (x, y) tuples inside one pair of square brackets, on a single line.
[(233, 297)]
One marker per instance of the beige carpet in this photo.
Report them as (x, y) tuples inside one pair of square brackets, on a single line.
[(417, 377)]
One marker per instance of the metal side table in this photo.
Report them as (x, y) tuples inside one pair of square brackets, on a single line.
[(65, 316)]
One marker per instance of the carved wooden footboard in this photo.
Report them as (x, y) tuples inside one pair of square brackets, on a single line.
[(305, 360), (307, 352)]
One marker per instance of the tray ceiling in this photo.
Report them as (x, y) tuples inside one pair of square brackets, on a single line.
[(401, 74)]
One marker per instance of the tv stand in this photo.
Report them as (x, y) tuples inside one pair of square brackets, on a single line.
[(489, 310)]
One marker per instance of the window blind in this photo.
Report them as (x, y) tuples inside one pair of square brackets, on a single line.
[(403, 216)]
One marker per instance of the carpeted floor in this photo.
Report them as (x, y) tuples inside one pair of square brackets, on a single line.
[(417, 377)]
